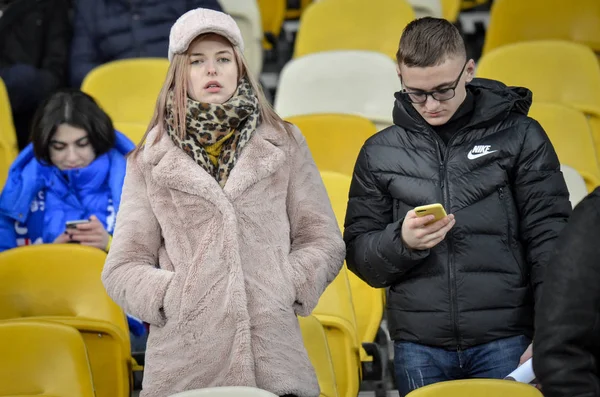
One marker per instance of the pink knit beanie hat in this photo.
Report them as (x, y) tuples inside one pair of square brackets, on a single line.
[(199, 21)]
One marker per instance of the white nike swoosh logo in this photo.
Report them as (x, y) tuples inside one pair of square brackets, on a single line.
[(472, 156)]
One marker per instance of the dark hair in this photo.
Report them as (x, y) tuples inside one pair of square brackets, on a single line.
[(428, 42), (76, 109)]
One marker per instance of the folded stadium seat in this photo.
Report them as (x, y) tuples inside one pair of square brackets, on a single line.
[(61, 283), (8, 137), (317, 347), (513, 21), (272, 14), (247, 16), (374, 25), (477, 388), (367, 303), (451, 10), (43, 359), (334, 139), (327, 82), (571, 136)]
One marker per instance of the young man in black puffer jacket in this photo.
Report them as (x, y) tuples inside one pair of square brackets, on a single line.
[(462, 290)]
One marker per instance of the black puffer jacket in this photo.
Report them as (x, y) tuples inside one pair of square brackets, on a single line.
[(500, 177), (566, 350)]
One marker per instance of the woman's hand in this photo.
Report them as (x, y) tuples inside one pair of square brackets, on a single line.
[(91, 234)]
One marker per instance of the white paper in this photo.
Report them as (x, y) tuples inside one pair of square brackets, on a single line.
[(524, 373)]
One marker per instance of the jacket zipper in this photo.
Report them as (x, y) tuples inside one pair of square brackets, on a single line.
[(451, 265)]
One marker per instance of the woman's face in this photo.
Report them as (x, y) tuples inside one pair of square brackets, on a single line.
[(213, 70), (70, 148)]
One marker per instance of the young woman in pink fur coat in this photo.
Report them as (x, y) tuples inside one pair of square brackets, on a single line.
[(225, 232)]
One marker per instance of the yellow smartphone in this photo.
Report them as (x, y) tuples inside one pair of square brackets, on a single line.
[(436, 210)]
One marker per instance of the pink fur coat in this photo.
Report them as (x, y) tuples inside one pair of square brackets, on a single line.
[(220, 274)]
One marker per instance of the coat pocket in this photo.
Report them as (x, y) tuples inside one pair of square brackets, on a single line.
[(288, 279), (172, 299)]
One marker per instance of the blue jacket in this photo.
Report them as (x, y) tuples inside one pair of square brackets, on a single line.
[(107, 30), (38, 199)]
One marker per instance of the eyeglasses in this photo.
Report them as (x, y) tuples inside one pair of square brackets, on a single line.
[(444, 94)]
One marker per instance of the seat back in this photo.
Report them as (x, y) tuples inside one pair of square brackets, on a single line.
[(513, 21), (127, 89), (134, 131), (272, 15), (451, 10), (247, 16), (61, 283), (477, 388), (317, 347), (230, 391), (575, 183), (541, 66), (331, 25), (8, 137), (326, 83), (43, 359), (334, 139), (571, 136)]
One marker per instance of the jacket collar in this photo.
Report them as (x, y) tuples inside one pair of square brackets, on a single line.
[(171, 167), (493, 101)]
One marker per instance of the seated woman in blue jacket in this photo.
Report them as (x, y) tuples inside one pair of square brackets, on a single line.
[(73, 169)]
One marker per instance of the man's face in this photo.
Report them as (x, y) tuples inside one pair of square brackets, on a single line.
[(440, 80)]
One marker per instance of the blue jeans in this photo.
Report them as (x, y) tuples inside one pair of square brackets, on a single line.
[(418, 365)]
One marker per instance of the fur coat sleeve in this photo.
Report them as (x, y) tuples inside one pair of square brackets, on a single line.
[(131, 274)]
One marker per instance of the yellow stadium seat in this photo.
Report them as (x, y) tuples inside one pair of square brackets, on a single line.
[(374, 25), (127, 89), (61, 283), (451, 9), (43, 359), (334, 139), (8, 138), (477, 388), (316, 345), (133, 131), (468, 4), (513, 21), (556, 71), (571, 136), (336, 313), (327, 82), (272, 14), (367, 302)]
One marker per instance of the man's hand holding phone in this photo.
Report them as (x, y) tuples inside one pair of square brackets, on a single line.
[(90, 233), (421, 233)]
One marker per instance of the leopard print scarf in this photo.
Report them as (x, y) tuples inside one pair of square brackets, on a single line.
[(207, 124)]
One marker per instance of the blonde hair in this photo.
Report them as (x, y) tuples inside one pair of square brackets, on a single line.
[(177, 81)]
